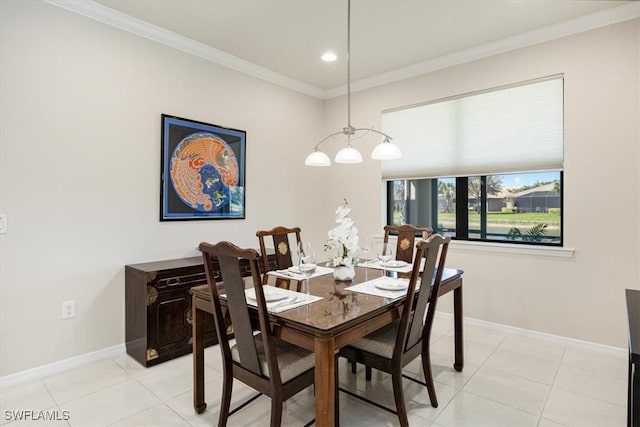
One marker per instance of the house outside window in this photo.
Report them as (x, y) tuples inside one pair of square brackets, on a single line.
[(517, 208)]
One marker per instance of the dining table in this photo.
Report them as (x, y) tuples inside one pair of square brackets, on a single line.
[(324, 326)]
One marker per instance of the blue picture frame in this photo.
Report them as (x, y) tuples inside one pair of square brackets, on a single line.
[(202, 171)]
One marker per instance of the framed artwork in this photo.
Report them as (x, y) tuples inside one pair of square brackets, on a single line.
[(202, 171)]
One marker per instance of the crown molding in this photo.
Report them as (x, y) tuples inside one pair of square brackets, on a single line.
[(574, 26), (149, 31)]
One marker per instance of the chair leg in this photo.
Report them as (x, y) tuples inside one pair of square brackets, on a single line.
[(398, 394), (225, 403), (428, 378), (276, 411), (367, 373), (337, 394)]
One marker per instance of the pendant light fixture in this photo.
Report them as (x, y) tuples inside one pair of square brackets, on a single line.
[(386, 150)]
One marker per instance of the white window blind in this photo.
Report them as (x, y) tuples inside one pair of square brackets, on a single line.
[(512, 129)]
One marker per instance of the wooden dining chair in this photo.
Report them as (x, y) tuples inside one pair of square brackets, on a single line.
[(407, 234), (392, 347), (262, 361), (282, 237)]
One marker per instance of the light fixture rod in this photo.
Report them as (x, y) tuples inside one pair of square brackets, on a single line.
[(351, 131), (349, 70)]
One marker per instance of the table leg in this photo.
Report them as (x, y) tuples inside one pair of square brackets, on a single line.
[(325, 381), (198, 358), (457, 321), (634, 395)]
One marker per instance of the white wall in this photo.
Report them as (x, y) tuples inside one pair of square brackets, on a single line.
[(581, 297), (80, 126), (80, 106)]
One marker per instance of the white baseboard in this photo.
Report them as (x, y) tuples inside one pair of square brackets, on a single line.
[(117, 350), (61, 366), (512, 330)]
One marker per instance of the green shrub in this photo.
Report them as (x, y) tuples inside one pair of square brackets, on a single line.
[(555, 211), (509, 210), (533, 234)]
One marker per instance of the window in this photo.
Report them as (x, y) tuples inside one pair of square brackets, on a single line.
[(513, 208), (484, 166)]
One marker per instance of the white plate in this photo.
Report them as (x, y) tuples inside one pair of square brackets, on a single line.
[(294, 270), (396, 263), (392, 286), (268, 296)]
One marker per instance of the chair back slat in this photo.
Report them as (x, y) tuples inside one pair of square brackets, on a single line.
[(228, 260), (239, 313), (413, 320), (282, 247), (283, 251), (406, 235)]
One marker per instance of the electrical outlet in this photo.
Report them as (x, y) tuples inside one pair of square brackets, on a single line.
[(3, 224), (68, 309)]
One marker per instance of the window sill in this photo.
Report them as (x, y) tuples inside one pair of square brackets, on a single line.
[(508, 248)]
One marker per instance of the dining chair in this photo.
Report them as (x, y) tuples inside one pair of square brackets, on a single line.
[(392, 347), (260, 360), (407, 234), (282, 239)]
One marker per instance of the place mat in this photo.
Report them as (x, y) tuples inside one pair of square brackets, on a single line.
[(293, 273), (279, 300), (382, 287), (404, 268)]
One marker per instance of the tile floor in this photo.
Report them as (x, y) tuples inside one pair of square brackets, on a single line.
[(508, 380)]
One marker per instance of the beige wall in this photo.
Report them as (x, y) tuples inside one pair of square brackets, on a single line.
[(80, 113), (79, 173), (581, 297)]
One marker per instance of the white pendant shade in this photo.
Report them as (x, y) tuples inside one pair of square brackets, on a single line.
[(348, 155), (386, 151), (317, 158)]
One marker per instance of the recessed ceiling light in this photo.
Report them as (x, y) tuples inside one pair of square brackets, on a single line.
[(329, 57)]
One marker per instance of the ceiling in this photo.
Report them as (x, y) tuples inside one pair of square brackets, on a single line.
[(288, 36)]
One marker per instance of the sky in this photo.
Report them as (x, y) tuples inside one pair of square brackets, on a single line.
[(518, 180)]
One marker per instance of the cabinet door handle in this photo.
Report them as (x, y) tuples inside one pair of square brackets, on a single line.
[(172, 281)]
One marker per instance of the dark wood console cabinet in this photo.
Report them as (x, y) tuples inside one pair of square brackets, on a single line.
[(158, 308)]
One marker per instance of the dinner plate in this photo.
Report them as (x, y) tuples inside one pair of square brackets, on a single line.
[(294, 270), (268, 296), (396, 263), (391, 286)]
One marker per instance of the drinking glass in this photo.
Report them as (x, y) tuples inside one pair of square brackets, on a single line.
[(307, 266), (384, 252), (365, 246), (299, 250)]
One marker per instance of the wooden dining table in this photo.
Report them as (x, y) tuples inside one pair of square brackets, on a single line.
[(325, 326)]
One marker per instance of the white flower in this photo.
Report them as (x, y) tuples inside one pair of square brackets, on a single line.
[(343, 237)]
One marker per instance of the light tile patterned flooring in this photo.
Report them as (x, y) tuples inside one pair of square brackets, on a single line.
[(508, 380)]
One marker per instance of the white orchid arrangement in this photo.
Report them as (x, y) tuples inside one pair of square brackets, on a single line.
[(343, 238)]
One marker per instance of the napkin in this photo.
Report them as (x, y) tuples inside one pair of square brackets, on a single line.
[(279, 300), (293, 273)]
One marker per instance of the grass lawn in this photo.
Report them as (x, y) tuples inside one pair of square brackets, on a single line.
[(532, 217)]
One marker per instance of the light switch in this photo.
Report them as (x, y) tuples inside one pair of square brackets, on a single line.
[(3, 224)]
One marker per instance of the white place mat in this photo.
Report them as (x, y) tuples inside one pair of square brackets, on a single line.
[(293, 273), (283, 299), (375, 264), (371, 287)]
